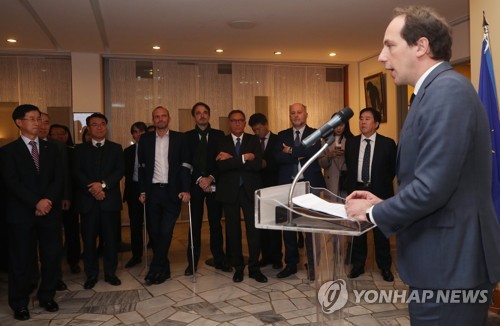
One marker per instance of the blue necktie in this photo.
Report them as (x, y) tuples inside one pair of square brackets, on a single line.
[(237, 149)]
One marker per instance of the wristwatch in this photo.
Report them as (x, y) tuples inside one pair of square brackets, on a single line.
[(104, 185)]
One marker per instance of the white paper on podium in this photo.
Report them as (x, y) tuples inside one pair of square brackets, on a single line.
[(313, 202)]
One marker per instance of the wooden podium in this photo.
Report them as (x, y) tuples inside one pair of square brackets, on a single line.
[(330, 233)]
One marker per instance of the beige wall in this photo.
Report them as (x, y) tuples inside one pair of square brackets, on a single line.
[(492, 10), (87, 80)]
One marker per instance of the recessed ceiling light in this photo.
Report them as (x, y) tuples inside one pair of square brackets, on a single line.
[(156, 47), (219, 50), (332, 54), (11, 40), (278, 52)]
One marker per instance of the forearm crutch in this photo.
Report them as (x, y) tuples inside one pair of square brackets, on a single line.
[(191, 236), (145, 243)]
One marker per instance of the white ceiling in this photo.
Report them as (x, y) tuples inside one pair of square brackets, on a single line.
[(305, 30)]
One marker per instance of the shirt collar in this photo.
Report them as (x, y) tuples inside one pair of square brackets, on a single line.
[(372, 137), (94, 142), (26, 140), (234, 137), (420, 81)]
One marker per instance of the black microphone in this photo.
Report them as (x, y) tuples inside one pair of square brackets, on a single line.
[(341, 117)]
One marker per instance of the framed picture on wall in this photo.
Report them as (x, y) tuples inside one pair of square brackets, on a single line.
[(375, 94)]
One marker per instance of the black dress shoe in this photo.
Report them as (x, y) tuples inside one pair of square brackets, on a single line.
[(74, 268), (278, 265), (90, 283), (61, 286), (50, 306), (189, 270), (150, 278), (22, 314), (112, 279), (133, 261), (287, 271), (355, 272), (258, 276), (224, 266), (238, 276), (387, 275), (161, 277)]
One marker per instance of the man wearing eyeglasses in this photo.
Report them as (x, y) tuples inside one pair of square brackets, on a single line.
[(31, 172), (99, 168), (240, 161)]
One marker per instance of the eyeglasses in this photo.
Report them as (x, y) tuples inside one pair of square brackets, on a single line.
[(33, 119), (236, 120), (102, 124)]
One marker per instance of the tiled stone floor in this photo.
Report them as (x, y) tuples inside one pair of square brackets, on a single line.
[(212, 300)]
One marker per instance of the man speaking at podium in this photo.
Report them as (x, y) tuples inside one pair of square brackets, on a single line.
[(443, 216)]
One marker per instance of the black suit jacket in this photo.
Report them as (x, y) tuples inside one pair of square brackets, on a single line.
[(287, 162), (26, 186), (89, 168), (383, 168), (232, 169), (270, 172), (179, 163), (193, 140)]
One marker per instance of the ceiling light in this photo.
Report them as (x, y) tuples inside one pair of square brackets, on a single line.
[(11, 40), (278, 52), (219, 50), (156, 47), (332, 54)]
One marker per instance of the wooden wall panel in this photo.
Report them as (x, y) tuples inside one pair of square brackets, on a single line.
[(9, 81)]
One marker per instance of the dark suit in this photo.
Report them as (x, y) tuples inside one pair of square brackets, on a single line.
[(163, 205), (443, 216), (131, 196), (25, 187), (270, 240), (287, 167), (93, 164), (199, 197), (235, 197), (383, 169)]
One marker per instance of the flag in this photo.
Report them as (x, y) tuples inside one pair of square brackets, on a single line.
[(488, 95)]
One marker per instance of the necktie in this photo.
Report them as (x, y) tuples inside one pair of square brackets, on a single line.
[(263, 144), (98, 145), (412, 98), (296, 141), (35, 154), (365, 170), (201, 154), (237, 148)]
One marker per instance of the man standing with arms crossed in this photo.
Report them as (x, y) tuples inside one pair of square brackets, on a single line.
[(443, 214)]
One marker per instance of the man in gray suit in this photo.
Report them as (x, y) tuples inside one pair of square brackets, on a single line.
[(443, 214)]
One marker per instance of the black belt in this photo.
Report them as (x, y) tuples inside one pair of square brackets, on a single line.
[(161, 185), (363, 184)]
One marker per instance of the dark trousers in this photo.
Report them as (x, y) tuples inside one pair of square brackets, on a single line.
[(71, 226), (292, 249), (271, 243), (22, 239), (162, 213), (432, 313), (136, 216), (233, 224), (214, 213), (382, 250), (93, 223)]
